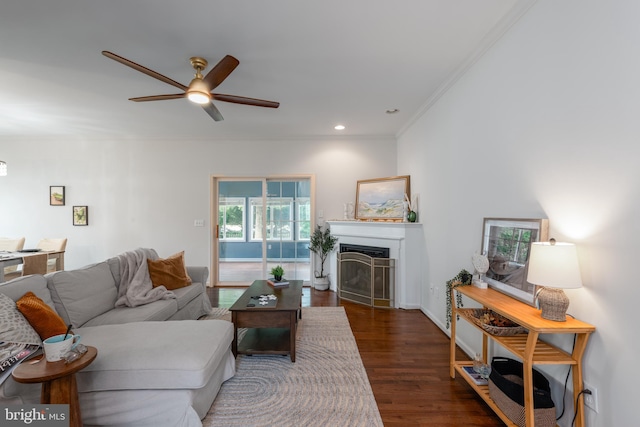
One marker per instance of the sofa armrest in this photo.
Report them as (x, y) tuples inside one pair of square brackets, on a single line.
[(198, 274)]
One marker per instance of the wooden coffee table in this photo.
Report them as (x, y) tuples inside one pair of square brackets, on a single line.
[(270, 330), (58, 381)]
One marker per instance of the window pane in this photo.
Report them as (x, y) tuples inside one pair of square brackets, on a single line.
[(304, 218), (231, 219), (279, 217)]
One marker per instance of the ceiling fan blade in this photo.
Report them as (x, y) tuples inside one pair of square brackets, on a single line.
[(144, 70), (244, 100), (158, 97), (213, 112), (221, 71)]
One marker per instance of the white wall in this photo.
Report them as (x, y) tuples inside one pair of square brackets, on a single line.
[(546, 124), (148, 193)]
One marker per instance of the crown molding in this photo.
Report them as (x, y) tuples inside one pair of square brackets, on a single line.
[(496, 33)]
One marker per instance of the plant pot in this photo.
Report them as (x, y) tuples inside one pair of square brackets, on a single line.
[(321, 283), (278, 278)]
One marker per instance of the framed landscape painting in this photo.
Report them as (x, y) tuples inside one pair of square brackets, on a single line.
[(56, 195), (381, 199), (507, 243)]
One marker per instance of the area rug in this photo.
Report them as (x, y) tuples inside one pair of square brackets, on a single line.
[(326, 386)]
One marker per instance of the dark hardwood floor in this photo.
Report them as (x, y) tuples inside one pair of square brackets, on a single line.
[(406, 357)]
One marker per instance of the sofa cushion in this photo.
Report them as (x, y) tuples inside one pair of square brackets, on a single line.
[(185, 295), (169, 272), (14, 328), (154, 311), (42, 317), (155, 354), (36, 283), (80, 295)]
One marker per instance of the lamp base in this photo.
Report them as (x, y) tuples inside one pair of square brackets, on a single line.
[(554, 304)]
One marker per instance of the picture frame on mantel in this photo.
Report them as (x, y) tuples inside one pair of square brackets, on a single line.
[(507, 244), (381, 199)]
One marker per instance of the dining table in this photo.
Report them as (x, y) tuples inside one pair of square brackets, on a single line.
[(16, 258)]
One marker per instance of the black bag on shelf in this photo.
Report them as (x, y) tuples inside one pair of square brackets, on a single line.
[(506, 389)]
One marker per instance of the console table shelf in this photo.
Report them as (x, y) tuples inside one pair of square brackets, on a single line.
[(528, 347)]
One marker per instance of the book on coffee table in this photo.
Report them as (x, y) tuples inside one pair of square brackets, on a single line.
[(263, 301), (277, 284)]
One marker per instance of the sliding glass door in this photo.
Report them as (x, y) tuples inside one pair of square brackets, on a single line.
[(261, 223)]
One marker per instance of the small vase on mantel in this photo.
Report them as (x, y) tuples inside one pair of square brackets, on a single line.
[(412, 216)]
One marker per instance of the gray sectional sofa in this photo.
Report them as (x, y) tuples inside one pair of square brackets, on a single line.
[(157, 365)]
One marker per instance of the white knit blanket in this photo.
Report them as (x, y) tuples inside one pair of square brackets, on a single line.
[(135, 284)]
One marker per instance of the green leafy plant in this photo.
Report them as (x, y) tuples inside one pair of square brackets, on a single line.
[(322, 243), (463, 278), (277, 272)]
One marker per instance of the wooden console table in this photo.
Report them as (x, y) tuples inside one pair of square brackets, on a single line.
[(58, 381), (528, 347)]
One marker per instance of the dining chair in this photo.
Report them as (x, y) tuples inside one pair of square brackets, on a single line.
[(11, 245), (52, 245), (31, 264)]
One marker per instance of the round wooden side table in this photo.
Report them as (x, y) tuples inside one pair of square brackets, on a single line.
[(58, 381)]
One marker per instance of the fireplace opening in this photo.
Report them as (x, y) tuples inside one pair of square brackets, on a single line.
[(366, 275), (372, 251)]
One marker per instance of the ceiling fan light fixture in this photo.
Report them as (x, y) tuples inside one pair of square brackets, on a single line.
[(198, 91)]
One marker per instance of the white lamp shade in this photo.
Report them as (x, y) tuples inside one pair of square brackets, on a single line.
[(3, 168), (554, 265)]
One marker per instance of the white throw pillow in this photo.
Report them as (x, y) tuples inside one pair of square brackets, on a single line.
[(14, 328)]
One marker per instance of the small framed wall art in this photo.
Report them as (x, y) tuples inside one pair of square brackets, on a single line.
[(56, 195), (81, 215)]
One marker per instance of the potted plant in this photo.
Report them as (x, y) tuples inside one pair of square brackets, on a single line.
[(322, 243), (463, 278), (277, 272)]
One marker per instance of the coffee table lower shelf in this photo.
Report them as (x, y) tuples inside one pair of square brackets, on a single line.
[(265, 341)]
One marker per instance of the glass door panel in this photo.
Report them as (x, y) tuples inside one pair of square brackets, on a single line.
[(240, 252), (262, 224)]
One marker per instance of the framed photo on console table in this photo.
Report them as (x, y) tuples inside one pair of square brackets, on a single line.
[(507, 243), (81, 215), (381, 199)]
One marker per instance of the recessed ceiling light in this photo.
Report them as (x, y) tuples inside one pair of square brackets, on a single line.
[(339, 127), (392, 111)]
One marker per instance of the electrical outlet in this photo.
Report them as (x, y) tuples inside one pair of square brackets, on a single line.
[(591, 400)]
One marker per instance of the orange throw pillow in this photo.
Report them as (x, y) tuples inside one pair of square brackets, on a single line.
[(170, 272), (42, 318)]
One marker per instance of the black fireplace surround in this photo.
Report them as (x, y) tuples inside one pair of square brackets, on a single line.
[(372, 251)]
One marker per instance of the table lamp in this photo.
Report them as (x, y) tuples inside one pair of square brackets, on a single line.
[(554, 266)]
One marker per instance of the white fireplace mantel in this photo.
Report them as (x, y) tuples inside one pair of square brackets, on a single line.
[(404, 240)]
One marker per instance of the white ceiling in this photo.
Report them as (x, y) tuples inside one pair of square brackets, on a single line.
[(325, 61)]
